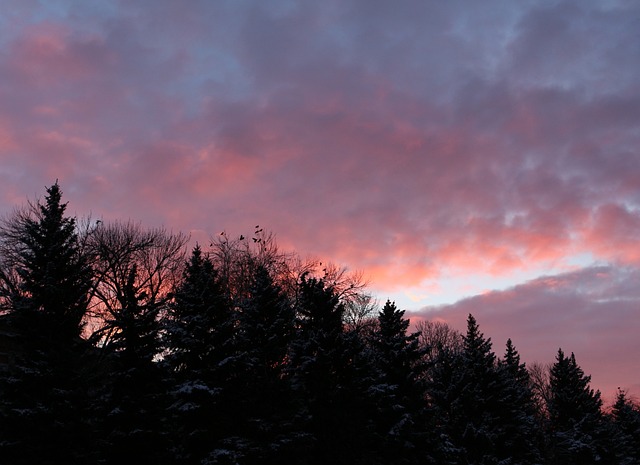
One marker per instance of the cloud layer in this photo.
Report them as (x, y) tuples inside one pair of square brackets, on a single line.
[(418, 141), (592, 312)]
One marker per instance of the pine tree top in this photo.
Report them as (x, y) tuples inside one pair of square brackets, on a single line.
[(475, 345), (572, 399)]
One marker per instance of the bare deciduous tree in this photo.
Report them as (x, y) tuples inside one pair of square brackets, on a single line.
[(236, 260), (539, 373), (131, 262), (360, 313), (436, 336)]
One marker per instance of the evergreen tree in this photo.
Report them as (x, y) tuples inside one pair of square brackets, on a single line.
[(135, 326), (475, 420), (625, 416), (442, 392), (54, 273), (519, 428), (477, 403), (44, 396), (200, 323), (578, 434), (331, 379), (261, 394), (399, 388), (267, 326), (199, 330)]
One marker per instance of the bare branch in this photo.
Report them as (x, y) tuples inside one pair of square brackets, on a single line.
[(124, 250), (436, 336)]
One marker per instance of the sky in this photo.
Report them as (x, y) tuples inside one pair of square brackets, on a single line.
[(467, 157)]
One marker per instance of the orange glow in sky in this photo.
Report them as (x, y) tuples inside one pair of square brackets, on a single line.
[(465, 156)]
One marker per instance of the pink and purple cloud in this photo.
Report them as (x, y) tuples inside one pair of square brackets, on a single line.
[(417, 141)]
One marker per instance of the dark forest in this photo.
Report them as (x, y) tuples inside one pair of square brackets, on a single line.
[(119, 345)]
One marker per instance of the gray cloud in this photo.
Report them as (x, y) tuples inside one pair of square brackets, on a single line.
[(592, 312), (413, 141)]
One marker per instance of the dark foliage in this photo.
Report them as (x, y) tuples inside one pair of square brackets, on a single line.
[(46, 278), (245, 355), (330, 378), (578, 432), (43, 389), (399, 388), (625, 416), (199, 338)]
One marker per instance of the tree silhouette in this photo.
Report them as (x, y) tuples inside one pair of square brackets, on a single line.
[(577, 431), (482, 405), (245, 354), (199, 331), (331, 377), (44, 394), (266, 328), (135, 270), (41, 245), (625, 417), (400, 393), (520, 439)]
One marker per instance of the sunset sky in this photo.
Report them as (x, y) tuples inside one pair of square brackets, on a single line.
[(468, 157)]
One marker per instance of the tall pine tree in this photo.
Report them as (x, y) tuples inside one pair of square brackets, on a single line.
[(400, 393), (44, 395), (476, 406), (578, 434), (54, 273), (478, 402), (625, 417), (330, 380), (520, 437), (266, 327), (199, 332)]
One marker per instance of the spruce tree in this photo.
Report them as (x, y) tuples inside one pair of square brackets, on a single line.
[(266, 328), (199, 326), (261, 394), (577, 432), (55, 277), (400, 394), (199, 330), (625, 417), (443, 384), (331, 378), (476, 407), (520, 434), (44, 395), (477, 404)]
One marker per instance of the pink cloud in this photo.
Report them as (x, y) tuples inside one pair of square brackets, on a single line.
[(592, 312), (46, 55), (615, 233), (409, 142)]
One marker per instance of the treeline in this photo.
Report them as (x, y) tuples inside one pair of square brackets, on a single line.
[(118, 346)]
